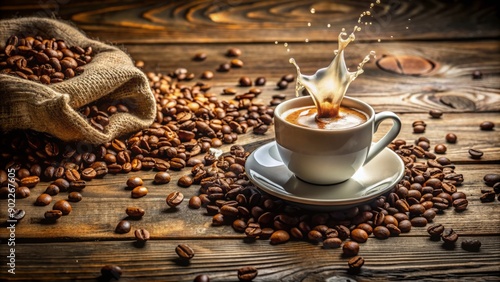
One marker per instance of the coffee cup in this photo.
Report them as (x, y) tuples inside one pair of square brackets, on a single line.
[(329, 156)]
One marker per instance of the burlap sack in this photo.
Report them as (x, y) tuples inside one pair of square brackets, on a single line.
[(111, 75)]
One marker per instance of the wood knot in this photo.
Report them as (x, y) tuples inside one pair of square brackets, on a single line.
[(406, 64)]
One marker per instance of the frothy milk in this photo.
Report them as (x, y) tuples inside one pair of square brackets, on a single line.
[(328, 86)]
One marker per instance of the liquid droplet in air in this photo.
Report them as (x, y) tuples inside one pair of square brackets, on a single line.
[(313, 10)]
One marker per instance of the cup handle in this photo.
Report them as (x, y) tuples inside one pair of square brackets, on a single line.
[(388, 137)]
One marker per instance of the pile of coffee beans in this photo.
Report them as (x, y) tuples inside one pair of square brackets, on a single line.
[(97, 114), (46, 60)]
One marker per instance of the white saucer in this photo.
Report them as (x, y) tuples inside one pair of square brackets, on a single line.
[(266, 170)]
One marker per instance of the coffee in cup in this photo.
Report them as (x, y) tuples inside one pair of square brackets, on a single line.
[(329, 155)]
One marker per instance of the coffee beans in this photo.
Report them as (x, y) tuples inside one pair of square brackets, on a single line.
[(487, 125), (279, 237), (471, 245), (475, 153), (43, 200), (141, 235), (135, 212), (63, 206), (109, 272), (247, 273), (53, 215), (174, 199), (435, 113), (133, 182), (184, 251), (123, 227), (42, 59), (440, 149), (350, 248), (139, 191), (355, 263), (451, 138), (162, 177)]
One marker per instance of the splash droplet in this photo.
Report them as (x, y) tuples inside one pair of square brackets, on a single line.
[(276, 42), (407, 27), (309, 24), (313, 10), (378, 40), (285, 44), (307, 40), (328, 25)]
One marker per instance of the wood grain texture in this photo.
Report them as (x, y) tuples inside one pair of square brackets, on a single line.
[(267, 21), (395, 259)]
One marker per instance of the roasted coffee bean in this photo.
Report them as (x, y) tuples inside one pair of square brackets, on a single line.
[(63, 206), (123, 227), (225, 67), (460, 204), (139, 191), (477, 74), (451, 138), (185, 180), (491, 179), (135, 212), (440, 149), (52, 190), (355, 263), (75, 197), (200, 56), (233, 52), (475, 153), (260, 81), (194, 202), (43, 200), (245, 81), (487, 125), (17, 214), (282, 84), (109, 272), (77, 185), (404, 226), (53, 215), (174, 199), (435, 113), (30, 181), (279, 237), (332, 243), (142, 235), (449, 236), (359, 235), (350, 248), (435, 230), (315, 236), (236, 63), (184, 251), (247, 273), (202, 278), (471, 245), (23, 192), (88, 173), (487, 197), (381, 232), (418, 221)]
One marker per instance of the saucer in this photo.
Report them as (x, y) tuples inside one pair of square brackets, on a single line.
[(266, 170)]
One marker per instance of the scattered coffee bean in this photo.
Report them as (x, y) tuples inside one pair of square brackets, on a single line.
[(288, 77), (260, 81), (202, 278), (200, 57), (17, 214), (350, 248), (23, 192), (174, 199), (245, 81), (487, 125), (355, 263), (141, 235), (53, 215), (207, 75), (381, 232), (135, 212), (247, 273), (419, 129), (449, 236), (139, 191), (225, 67), (477, 74), (451, 138), (435, 113), (123, 227), (491, 179), (359, 235), (195, 202), (471, 245), (487, 197), (233, 52), (109, 272), (282, 84), (133, 182), (75, 197), (184, 251), (43, 200), (63, 206), (236, 63), (435, 230), (279, 237), (475, 153), (440, 149), (332, 243)]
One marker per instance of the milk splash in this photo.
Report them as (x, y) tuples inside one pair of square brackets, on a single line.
[(328, 86)]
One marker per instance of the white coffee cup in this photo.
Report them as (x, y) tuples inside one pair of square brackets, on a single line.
[(329, 156)]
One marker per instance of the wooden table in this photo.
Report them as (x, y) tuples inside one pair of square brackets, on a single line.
[(457, 37)]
